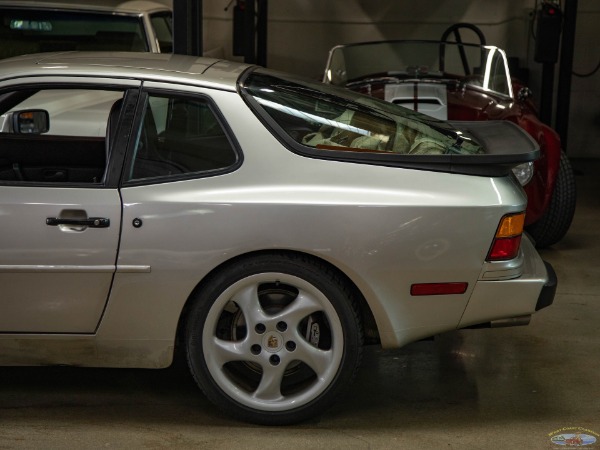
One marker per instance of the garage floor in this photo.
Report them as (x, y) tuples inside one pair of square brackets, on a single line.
[(508, 388)]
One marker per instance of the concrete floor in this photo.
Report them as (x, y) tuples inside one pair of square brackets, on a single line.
[(499, 389)]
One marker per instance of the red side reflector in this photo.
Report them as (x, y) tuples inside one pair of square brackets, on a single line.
[(438, 288), (504, 249)]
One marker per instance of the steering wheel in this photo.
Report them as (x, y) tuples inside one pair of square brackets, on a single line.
[(455, 30)]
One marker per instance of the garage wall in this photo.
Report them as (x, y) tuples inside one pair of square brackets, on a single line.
[(302, 31), (584, 125)]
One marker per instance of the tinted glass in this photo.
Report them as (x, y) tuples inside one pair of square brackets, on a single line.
[(180, 136), (25, 31), (328, 118), (163, 29)]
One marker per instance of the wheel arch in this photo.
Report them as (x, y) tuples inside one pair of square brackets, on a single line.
[(368, 323)]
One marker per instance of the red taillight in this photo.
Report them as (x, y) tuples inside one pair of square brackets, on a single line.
[(504, 249), (507, 240)]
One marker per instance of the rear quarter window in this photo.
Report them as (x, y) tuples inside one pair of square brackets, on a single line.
[(327, 118)]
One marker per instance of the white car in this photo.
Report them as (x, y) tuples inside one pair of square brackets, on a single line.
[(267, 223)]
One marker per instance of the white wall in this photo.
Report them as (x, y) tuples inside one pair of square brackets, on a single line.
[(301, 32)]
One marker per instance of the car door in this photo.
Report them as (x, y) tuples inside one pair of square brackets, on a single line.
[(184, 151), (59, 211)]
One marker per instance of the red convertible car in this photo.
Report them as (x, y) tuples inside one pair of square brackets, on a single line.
[(466, 82)]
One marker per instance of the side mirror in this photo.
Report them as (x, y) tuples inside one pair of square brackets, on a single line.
[(31, 121)]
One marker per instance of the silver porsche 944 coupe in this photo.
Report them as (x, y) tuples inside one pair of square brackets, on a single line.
[(268, 224)]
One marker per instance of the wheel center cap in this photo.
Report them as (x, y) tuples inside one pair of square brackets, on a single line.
[(272, 341)]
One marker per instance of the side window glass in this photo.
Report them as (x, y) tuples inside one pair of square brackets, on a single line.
[(163, 26), (56, 136), (180, 136)]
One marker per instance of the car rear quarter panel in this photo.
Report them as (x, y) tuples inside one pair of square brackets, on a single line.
[(385, 228)]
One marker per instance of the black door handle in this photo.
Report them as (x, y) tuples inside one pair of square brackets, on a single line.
[(91, 222)]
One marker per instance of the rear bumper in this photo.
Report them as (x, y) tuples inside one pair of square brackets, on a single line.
[(549, 290), (494, 300)]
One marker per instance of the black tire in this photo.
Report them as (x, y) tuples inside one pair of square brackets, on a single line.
[(556, 220), (274, 339)]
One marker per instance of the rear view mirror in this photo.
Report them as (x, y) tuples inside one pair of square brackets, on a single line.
[(31, 121)]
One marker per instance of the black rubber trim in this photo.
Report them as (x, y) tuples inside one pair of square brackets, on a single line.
[(549, 290)]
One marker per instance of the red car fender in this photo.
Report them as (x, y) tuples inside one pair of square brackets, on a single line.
[(539, 190)]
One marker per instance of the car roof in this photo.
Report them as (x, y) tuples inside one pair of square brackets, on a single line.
[(163, 67), (116, 6)]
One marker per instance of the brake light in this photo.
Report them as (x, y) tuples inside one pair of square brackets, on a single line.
[(507, 240)]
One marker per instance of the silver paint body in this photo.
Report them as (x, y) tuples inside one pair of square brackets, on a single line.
[(385, 228)]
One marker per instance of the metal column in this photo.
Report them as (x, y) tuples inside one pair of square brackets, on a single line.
[(250, 19), (567, 49), (187, 27)]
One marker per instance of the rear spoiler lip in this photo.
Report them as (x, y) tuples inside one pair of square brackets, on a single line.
[(504, 142)]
